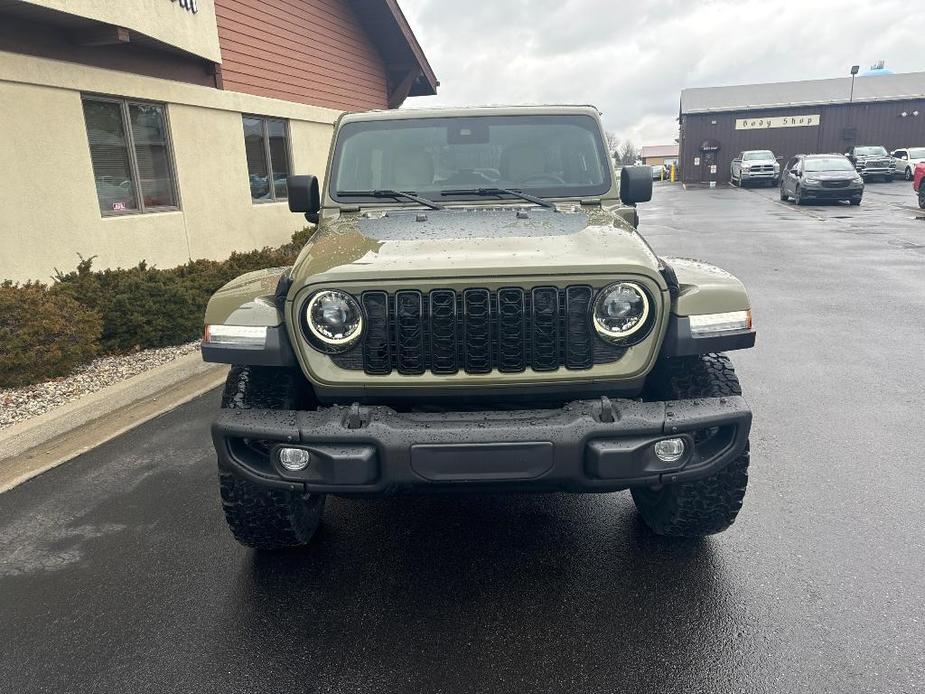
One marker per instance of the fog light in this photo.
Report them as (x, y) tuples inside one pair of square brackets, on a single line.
[(294, 459), (670, 450)]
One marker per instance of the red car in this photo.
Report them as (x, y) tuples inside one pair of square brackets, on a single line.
[(918, 183)]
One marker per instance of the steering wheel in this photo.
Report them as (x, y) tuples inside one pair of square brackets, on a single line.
[(543, 177)]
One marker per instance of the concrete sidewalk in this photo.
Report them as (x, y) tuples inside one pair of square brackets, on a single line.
[(31, 447)]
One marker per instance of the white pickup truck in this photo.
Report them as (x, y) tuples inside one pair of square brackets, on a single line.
[(754, 165)]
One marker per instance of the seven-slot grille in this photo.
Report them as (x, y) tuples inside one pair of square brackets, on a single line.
[(477, 330)]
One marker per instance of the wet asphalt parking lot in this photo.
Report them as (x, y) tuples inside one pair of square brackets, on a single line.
[(117, 573)]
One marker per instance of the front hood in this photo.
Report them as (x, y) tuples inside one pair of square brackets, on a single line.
[(472, 242)]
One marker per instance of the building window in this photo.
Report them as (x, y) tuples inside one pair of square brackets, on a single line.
[(130, 150), (266, 144)]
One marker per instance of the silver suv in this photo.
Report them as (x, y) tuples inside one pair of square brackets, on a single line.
[(754, 165)]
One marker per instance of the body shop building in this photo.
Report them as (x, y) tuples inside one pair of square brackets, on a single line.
[(797, 118)]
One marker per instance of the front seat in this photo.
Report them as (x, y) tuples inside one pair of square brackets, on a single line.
[(520, 162), (412, 169)]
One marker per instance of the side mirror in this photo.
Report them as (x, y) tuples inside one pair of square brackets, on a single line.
[(635, 184), (795, 171), (304, 196)]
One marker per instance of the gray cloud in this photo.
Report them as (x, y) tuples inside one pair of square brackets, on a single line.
[(631, 60)]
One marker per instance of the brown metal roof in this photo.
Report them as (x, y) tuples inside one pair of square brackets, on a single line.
[(659, 151)]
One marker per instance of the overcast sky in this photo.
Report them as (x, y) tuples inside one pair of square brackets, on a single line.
[(631, 59)]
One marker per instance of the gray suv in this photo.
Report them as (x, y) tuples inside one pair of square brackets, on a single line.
[(821, 177), (754, 165)]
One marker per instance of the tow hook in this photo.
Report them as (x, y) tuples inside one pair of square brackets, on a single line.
[(608, 414), (356, 417)]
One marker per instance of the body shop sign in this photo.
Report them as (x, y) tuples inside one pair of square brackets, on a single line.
[(777, 122)]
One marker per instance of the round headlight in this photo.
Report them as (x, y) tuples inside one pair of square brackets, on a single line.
[(334, 320), (621, 311)]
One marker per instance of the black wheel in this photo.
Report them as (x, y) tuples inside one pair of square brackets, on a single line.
[(783, 196), (908, 173), (798, 196), (710, 505), (855, 201), (922, 194), (262, 517)]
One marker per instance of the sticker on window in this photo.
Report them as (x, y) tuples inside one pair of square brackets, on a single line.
[(118, 207)]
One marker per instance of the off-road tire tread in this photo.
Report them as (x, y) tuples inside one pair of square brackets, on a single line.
[(268, 519), (262, 517), (706, 506)]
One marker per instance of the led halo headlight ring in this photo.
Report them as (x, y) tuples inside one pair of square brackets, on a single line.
[(632, 334), (324, 338)]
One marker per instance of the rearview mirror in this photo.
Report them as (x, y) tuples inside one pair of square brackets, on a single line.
[(304, 196), (635, 184)]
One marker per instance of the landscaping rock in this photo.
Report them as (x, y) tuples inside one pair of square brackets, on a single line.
[(19, 404)]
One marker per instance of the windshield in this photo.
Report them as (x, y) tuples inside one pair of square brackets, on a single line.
[(761, 155), (828, 164), (870, 151), (917, 153), (546, 156)]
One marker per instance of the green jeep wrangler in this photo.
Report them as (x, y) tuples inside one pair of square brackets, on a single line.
[(477, 312)]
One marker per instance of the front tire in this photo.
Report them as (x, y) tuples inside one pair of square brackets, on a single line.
[(260, 517), (908, 173), (922, 194), (706, 506), (798, 196), (783, 196)]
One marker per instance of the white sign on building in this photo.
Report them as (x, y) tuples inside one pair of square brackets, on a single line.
[(777, 122)]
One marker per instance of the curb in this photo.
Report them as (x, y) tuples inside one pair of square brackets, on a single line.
[(41, 443)]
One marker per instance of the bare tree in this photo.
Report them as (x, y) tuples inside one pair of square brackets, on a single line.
[(629, 153), (613, 145)]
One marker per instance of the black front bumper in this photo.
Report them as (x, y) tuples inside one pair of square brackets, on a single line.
[(588, 445), (822, 193)]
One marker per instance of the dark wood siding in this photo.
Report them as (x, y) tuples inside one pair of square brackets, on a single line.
[(310, 51), (841, 125)]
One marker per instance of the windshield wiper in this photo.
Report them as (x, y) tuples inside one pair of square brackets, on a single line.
[(410, 195), (501, 191)]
